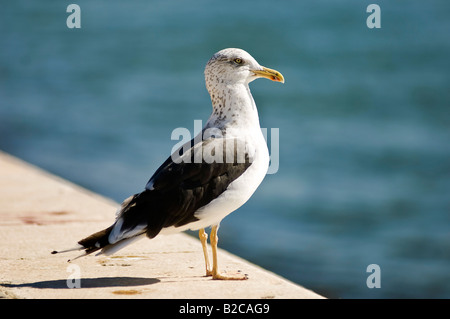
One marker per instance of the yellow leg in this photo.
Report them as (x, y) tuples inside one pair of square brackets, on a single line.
[(204, 239), (215, 270)]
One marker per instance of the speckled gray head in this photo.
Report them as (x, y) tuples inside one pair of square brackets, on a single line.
[(232, 66)]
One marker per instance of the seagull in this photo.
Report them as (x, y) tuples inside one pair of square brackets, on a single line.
[(208, 177)]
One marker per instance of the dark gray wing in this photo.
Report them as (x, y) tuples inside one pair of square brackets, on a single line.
[(179, 188)]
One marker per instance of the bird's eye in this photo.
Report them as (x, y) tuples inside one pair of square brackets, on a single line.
[(238, 61)]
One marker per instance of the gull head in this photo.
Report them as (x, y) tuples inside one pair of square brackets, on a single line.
[(236, 66)]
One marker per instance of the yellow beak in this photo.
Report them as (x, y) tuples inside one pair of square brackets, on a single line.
[(270, 74)]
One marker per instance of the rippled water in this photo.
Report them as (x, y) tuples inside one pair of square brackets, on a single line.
[(363, 119)]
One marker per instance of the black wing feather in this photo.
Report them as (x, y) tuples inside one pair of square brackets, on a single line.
[(178, 191)]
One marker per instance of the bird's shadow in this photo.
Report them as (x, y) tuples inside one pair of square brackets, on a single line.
[(102, 282)]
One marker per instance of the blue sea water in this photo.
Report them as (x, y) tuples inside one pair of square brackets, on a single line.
[(363, 119)]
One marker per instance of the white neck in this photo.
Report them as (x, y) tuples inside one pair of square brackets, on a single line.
[(233, 106)]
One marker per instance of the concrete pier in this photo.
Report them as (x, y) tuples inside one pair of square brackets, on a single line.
[(40, 212)]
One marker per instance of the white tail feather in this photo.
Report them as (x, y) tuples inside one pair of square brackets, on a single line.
[(111, 249)]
